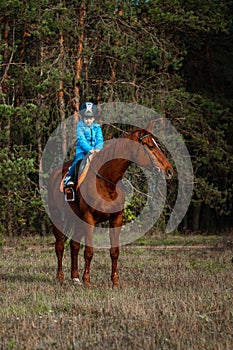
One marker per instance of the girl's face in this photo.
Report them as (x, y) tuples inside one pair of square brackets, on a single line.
[(88, 121)]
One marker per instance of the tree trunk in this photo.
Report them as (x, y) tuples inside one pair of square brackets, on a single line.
[(10, 213), (79, 61), (6, 61), (196, 217), (61, 93)]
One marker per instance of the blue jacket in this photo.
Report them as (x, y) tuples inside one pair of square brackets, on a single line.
[(87, 138)]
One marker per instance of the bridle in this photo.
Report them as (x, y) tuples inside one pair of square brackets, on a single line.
[(146, 149), (141, 138)]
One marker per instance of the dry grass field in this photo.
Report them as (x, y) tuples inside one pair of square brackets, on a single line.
[(176, 297)]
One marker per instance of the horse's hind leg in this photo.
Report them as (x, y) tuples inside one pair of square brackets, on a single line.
[(74, 250), (59, 249)]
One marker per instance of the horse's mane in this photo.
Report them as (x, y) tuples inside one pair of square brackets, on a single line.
[(111, 147)]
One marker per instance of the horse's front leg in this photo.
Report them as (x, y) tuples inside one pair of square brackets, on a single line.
[(74, 250), (115, 228), (88, 255), (114, 253)]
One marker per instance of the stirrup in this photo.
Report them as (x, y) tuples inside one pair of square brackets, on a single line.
[(69, 194)]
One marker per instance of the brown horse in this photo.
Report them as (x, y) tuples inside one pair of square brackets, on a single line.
[(101, 198)]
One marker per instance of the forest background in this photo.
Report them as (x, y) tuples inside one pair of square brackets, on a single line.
[(172, 56)]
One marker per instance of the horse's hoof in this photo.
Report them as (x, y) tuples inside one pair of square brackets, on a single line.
[(87, 283), (59, 282), (60, 278), (115, 282), (77, 282)]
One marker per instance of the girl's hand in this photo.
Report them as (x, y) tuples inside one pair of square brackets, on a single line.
[(94, 150)]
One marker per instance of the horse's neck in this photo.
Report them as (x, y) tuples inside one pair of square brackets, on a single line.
[(115, 161)]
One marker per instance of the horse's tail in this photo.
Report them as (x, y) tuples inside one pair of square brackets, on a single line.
[(55, 196), (53, 204)]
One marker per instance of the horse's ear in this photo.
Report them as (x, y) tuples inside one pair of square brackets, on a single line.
[(150, 125)]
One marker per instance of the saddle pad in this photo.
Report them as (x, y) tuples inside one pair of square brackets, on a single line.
[(84, 167)]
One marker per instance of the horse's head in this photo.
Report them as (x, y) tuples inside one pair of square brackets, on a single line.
[(148, 154)]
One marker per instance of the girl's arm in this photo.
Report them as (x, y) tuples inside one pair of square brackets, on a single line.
[(99, 144)]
